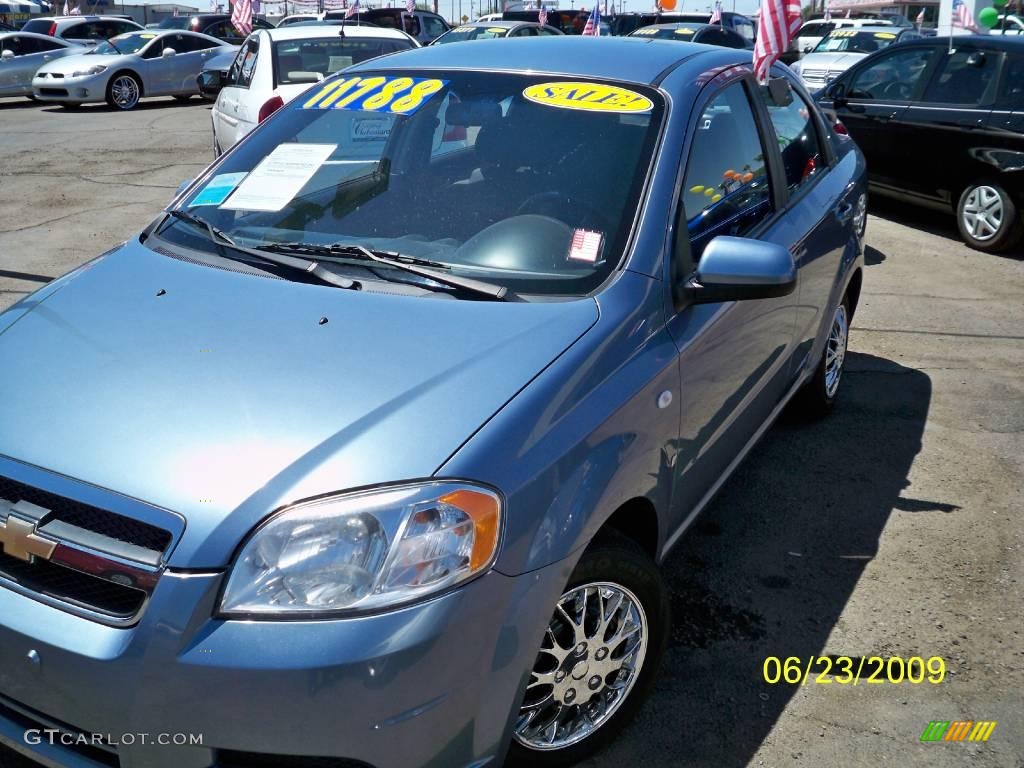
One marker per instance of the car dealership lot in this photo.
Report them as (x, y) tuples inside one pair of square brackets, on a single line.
[(893, 529)]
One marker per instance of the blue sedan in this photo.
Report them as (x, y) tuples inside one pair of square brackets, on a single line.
[(367, 449)]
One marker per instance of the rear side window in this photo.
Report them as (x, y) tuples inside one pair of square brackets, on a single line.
[(798, 139), (434, 26), (966, 77), (39, 26), (1011, 93), (725, 187)]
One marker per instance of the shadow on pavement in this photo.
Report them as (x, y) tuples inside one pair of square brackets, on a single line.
[(771, 564), (157, 102)]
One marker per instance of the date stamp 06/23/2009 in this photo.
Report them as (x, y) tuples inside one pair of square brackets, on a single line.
[(849, 670)]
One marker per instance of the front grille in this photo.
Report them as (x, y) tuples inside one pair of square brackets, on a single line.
[(74, 587), (104, 565), (85, 516), (54, 91), (227, 758), (817, 75), (90, 747)]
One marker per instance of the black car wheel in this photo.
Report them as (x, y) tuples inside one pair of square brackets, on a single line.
[(988, 217), (598, 659), (817, 397)]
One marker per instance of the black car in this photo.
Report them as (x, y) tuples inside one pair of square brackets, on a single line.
[(943, 126), (624, 23), (423, 25), (213, 24), (568, 22), (708, 34)]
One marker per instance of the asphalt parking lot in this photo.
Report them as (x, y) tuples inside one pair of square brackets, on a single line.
[(893, 528)]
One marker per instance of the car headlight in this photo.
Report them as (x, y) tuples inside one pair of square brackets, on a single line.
[(365, 551), (93, 70)]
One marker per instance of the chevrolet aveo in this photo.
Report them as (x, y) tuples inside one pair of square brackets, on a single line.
[(363, 454)]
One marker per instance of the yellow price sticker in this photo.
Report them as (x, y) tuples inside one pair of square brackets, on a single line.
[(401, 95), (684, 31), (885, 35)]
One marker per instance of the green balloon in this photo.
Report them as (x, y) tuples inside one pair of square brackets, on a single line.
[(999, 3), (988, 17)]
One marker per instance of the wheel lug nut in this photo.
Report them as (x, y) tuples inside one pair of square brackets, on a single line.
[(570, 695), (601, 653), (594, 682), (559, 676), (581, 648)]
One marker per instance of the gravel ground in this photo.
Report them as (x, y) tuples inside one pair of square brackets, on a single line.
[(892, 528)]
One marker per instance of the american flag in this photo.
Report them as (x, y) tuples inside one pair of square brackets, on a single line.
[(542, 15), (716, 16), (920, 20), (241, 16), (352, 10), (847, 13), (962, 16), (778, 25), (410, 6), (593, 28), (828, 14)]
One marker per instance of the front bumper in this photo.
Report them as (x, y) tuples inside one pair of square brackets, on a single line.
[(431, 685), (79, 90)]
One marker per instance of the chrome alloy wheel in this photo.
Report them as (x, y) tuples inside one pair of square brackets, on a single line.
[(835, 351), (982, 215), (591, 656), (125, 92)]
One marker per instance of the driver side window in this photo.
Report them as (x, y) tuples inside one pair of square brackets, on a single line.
[(896, 76)]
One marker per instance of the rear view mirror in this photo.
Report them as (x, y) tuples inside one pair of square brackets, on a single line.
[(779, 92), (305, 77), (836, 92), (739, 269), (168, 52)]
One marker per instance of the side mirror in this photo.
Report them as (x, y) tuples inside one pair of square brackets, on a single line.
[(210, 82), (7, 55), (836, 92), (739, 269), (182, 187), (168, 52)]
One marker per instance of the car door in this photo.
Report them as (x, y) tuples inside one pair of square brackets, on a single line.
[(153, 67), (871, 98), (190, 52), (1008, 116), (819, 211), (233, 102), (733, 356), (951, 121)]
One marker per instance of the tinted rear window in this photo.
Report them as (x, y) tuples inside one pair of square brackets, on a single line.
[(295, 61), (39, 26)]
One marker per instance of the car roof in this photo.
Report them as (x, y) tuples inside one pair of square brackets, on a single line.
[(677, 25), (296, 32), (630, 59), (497, 24), (37, 35)]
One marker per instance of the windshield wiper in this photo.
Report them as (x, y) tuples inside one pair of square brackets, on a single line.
[(421, 267), (309, 266)]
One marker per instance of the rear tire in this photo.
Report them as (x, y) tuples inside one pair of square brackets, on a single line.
[(988, 218), (124, 91), (600, 656), (818, 396)]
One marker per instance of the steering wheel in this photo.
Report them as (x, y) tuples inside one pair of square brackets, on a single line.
[(558, 205), (896, 90)]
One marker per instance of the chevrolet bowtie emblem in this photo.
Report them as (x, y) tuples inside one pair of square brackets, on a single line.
[(18, 539)]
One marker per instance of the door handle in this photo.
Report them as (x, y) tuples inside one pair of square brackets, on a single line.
[(843, 212)]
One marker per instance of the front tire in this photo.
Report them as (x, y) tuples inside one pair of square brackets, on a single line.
[(988, 218), (598, 658), (124, 91), (818, 396)]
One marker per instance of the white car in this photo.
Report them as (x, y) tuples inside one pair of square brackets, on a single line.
[(841, 49), (812, 32), (274, 66)]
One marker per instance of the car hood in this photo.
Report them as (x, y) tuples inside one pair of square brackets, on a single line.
[(833, 62), (79, 61), (223, 396)]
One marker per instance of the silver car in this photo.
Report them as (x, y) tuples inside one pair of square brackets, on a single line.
[(842, 48), (128, 67), (22, 53)]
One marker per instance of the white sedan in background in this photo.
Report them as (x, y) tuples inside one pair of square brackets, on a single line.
[(276, 65)]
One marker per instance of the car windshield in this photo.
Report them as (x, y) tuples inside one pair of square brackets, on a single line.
[(669, 33), (122, 44), (175, 22), (855, 41), (307, 61), (446, 167), (459, 34)]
